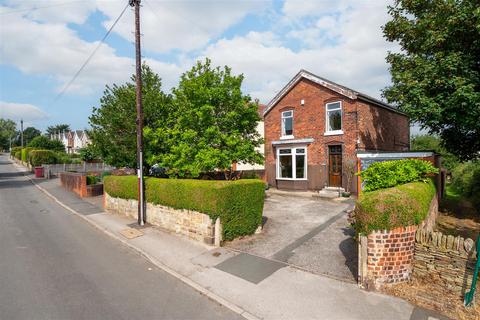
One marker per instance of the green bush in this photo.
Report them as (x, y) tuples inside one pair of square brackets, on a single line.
[(39, 157), (239, 204), (92, 180), (386, 174), (466, 180), (44, 143), (386, 209), (14, 150), (18, 154)]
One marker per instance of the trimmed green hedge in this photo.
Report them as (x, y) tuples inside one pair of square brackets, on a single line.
[(386, 174), (39, 157), (386, 209), (239, 204)]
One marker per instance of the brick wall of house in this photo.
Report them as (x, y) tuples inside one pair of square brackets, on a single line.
[(309, 122), (382, 129)]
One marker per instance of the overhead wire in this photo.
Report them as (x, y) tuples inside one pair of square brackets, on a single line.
[(67, 86), (37, 8)]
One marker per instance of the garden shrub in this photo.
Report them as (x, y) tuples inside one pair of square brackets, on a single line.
[(92, 179), (39, 157), (14, 150), (44, 143), (388, 174), (18, 154), (386, 209), (239, 204), (466, 180)]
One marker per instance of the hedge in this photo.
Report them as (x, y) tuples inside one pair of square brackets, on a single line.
[(388, 174), (386, 209), (239, 204), (39, 157), (466, 180)]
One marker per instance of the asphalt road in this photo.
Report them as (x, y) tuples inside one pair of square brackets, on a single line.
[(54, 265)]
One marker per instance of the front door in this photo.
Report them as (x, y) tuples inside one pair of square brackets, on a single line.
[(334, 166)]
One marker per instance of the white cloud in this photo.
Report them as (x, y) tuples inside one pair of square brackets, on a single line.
[(183, 25), (345, 46), (19, 111)]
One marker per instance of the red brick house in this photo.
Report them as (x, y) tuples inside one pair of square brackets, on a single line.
[(314, 128)]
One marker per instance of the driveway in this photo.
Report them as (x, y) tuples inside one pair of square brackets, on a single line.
[(307, 232)]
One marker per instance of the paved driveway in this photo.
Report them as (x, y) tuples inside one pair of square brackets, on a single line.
[(307, 232)]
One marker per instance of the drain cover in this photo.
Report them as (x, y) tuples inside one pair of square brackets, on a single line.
[(131, 233)]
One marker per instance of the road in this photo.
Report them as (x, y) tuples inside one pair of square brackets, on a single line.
[(53, 265)]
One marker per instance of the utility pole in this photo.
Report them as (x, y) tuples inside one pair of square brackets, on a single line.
[(138, 65), (21, 131)]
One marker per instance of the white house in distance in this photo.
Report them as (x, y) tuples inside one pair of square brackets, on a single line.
[(72, 140), (261, 130)]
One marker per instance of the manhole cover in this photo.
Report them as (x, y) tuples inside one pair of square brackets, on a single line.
[(131, 233)]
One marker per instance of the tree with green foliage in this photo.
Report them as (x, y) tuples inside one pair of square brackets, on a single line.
[(7, 133), (436, 75), (89, 153), (434, 143), (58, 128), (44, 143), (28, 135), (113, 123), (212, 125)]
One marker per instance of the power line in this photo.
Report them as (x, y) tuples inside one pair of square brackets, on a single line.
[(91, 56), (38, 8)]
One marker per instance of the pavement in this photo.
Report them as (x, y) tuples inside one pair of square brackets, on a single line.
[(247, 284)]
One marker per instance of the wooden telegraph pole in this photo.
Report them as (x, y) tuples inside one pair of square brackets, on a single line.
[(138, 59)]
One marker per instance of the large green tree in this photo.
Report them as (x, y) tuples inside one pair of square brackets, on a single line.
[(7, 133), (212, 125), (436, 74), (58, 128), (434, 143), (113, 123)]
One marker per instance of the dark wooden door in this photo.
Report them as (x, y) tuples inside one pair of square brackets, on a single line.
[(335, 166)]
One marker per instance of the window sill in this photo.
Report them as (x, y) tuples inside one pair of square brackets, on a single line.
[(292, 179), (333, 133), (286, 137)]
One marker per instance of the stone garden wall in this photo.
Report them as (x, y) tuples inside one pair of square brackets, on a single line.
[(193, 224), (447, 261)]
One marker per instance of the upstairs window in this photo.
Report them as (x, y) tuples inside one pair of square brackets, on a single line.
[(287, 123), (334, 117)]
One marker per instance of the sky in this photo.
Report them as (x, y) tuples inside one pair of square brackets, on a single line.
[(43, 43)]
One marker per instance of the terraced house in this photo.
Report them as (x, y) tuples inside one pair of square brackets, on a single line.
[(315, 127)]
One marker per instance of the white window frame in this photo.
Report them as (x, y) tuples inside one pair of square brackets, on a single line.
[(329, 132), (294, 163), (284, 136)]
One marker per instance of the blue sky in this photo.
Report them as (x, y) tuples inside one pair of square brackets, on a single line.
[(44, 42)]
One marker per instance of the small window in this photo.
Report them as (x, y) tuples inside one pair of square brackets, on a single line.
[(334, 117), (287, 123)]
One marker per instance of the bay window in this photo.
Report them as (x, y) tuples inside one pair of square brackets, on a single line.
[(292, 163)]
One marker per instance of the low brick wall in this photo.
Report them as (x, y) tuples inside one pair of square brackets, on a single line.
[(447, 261), (77, 182), (386, 256), (390, 255), (195, 225)]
